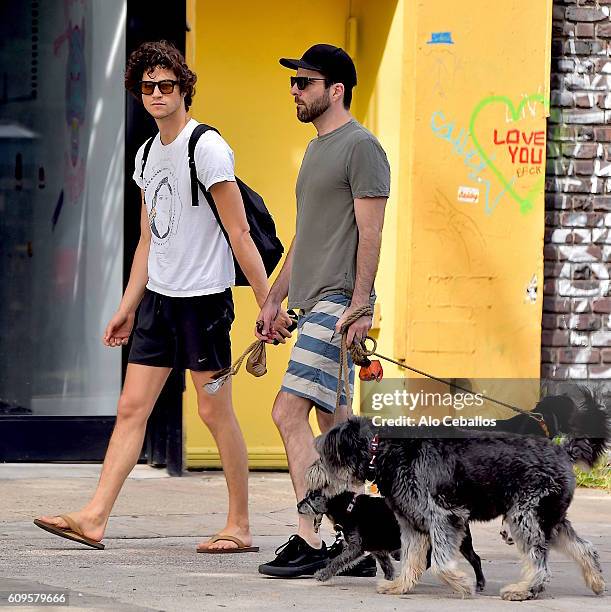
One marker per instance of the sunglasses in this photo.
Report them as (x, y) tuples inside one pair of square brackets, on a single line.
[(165, 87), (302, 82)]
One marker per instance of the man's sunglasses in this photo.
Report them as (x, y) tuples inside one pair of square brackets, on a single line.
[(165, 87), (303, 82)]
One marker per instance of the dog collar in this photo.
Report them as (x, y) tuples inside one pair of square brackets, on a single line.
[(350, 507), (317, 520), (373, 449), (542, 424)]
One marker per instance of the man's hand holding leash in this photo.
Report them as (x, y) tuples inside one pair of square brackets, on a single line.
[(358, 330)]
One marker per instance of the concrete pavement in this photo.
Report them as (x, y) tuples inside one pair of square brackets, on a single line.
[(150, 561)]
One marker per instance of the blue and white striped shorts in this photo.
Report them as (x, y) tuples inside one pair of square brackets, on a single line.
[(314, 364)]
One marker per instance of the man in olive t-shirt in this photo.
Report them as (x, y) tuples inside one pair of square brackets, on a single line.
[(328, 273), (338, 167)]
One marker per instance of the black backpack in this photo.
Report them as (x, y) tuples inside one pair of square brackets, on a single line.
[(262, 227)]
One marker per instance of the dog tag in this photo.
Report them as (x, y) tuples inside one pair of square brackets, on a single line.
[(371, 488)]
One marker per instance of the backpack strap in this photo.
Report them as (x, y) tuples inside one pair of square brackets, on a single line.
[(145, 154), (200, 129)]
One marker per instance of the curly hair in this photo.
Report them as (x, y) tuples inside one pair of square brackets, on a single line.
[(162, 54)]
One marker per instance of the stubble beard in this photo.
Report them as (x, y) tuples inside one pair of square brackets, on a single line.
[(307, 114)]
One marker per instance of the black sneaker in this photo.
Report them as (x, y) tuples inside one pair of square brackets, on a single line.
[(365, 568), (296, 558)]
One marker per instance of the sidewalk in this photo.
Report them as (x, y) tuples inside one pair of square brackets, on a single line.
[(150, 561)]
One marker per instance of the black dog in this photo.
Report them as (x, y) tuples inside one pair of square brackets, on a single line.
[(436, 485), (369, 525), (558, 412)]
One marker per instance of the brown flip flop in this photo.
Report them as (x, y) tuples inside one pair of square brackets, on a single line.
[(242, 548), (72, 532)]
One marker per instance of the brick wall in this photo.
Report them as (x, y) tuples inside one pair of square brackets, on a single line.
[(576, 336)]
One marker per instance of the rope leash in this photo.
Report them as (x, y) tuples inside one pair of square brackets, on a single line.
[(360, 356), (256, 361), (256, 364)]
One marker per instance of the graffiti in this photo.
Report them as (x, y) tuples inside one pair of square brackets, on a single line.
[(445, 73), (75, 100), (583, 77), (531, 290), (445, 130), (528, 110), (468, 194), (453, 227), (440, 38), (524, 155), (571, 285), (531, 149)]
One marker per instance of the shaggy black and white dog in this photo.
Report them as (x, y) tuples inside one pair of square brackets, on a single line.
[(435, 486), (558, 413), (369, 525)]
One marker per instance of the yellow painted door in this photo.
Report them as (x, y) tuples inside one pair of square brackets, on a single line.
[(470, 272)]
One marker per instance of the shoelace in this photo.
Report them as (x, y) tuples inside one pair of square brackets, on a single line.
[(284, 546)]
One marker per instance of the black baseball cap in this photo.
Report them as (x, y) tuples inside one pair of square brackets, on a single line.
[(333, 62)]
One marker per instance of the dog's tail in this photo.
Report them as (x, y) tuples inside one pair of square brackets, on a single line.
[(591, 431)]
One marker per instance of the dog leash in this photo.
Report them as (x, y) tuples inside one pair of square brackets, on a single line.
[(360, 356), (256, 364), (339, 528), (256, 361)]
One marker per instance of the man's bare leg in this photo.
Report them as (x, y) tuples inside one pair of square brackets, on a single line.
[(142, 387), (326, 420), (216, 411), (290, 414)]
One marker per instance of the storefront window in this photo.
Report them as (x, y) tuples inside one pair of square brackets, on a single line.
[(61, 204)]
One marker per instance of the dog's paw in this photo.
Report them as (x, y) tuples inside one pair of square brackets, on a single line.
[(481, 586), (507, 537), (459, 582), (322, 575), (463, 585), (517, 592), (392, 587), (596, 583)]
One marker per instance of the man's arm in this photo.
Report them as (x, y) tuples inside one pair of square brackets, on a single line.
[(120, 326), (369, 214), (230, 207), (277, 294)]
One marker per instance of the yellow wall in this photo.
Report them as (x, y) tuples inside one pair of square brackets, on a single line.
[(243, 90), (462, 279), (453, 276)]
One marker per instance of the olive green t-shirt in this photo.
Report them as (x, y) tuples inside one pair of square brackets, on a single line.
[(338, 167)]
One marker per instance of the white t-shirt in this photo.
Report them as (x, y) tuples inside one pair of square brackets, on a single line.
[(189, 254)]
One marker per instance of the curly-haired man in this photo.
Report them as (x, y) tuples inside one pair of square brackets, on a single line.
[(181, 278)]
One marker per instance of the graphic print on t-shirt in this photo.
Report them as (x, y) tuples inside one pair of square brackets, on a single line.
[(164, 205)]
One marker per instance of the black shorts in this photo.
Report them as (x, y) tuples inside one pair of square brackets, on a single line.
[(188, 333)]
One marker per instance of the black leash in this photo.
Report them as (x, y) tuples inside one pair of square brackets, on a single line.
[(362, 352)]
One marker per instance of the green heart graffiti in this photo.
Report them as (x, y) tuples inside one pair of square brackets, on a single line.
[(526, 203)]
